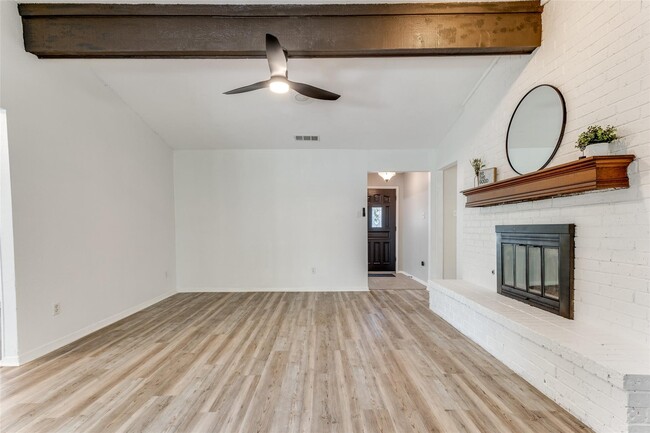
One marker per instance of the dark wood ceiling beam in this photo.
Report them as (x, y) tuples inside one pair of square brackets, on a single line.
[(237, 31)]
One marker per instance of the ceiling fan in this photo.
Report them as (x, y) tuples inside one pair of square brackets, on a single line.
[(279, 81)]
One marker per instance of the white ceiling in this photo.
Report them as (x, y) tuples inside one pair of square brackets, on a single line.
[(386, 103)]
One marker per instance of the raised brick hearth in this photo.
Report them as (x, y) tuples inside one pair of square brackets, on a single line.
[(599, 376)]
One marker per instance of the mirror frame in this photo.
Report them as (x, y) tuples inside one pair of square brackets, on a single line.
[(561, 135)]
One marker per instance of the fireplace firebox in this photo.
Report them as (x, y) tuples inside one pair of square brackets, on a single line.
[(535, 265)]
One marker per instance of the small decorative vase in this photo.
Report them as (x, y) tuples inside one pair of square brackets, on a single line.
[(475, 181), (598, 149)]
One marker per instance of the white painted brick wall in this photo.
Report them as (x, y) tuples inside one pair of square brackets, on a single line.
[(598, 54)]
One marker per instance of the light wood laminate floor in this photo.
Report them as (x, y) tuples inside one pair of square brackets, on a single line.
[(372, 362), (398, 282)]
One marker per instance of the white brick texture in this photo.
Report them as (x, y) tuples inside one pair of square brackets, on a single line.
[(598, 54)]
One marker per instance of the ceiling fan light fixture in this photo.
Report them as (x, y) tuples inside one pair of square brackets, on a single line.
[(279, 85), (386, 175)]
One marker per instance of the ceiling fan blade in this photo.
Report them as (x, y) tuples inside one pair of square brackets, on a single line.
[(249, 88), (313, 92), (276, 56)]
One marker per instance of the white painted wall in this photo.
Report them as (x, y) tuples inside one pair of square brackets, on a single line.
[(92, 198), (262, 219), (415, 235), (449, 227), (8, 320), (604, 76)]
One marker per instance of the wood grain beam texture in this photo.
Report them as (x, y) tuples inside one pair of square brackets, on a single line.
[(237, 31)]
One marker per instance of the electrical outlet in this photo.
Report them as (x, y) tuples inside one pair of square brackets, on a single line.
[(422, 263), (313, 270), (56, 310)]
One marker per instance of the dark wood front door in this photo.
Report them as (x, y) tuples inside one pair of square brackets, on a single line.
[(381, 229)]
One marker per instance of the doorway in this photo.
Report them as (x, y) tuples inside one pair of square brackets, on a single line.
[(449, 216), (407, 267), (382, 229)]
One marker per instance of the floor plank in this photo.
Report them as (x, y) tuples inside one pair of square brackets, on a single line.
[(363, 362), (398, 282)]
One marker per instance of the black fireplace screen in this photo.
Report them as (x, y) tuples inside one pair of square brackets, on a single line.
[(535, 265)]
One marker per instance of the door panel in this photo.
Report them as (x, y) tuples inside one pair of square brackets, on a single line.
[(381, 229)]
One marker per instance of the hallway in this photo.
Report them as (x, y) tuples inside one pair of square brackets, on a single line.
[(398, 282)]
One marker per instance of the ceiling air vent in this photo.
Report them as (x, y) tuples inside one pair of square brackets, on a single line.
[(307, 138)]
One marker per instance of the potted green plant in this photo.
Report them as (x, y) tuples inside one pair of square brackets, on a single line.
[(477, 164), (595, 140)]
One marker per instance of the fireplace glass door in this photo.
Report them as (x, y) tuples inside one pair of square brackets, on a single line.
[(551, 273), (532, 269), (535, 265)]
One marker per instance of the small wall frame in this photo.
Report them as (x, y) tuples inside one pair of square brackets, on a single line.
[(487, 175)]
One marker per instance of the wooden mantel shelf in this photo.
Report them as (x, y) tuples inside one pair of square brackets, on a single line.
[(587, 174)]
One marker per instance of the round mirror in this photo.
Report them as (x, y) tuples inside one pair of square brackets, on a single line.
[(536, 129)]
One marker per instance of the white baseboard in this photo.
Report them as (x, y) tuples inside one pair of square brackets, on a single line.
[(9, 361), (424, 283), (33, 354), (270, 289)]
